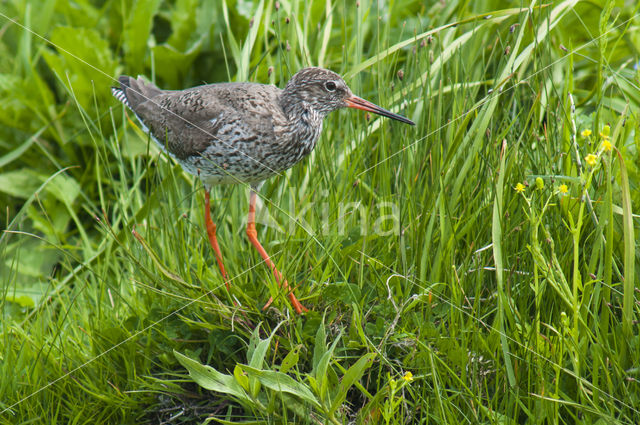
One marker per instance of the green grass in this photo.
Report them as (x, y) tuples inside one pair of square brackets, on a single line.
[(438, 292)]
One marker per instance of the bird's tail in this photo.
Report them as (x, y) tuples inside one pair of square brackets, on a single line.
[(133, 92)]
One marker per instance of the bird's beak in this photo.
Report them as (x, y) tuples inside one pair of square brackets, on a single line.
[(359, 103)]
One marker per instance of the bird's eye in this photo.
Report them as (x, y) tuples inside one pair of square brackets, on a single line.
[(330, 86)]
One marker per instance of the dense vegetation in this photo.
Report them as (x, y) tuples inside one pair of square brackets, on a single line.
[(477, 268)]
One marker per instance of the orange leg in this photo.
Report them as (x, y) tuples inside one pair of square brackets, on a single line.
[(211, 231), (253, 237)]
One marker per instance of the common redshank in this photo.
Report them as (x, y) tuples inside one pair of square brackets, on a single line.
[(241, 133)]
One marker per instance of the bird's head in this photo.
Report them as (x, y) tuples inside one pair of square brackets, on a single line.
[(322, 90), (325, 91)]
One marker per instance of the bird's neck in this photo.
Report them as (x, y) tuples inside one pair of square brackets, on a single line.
[(304, 123), (299, 111)]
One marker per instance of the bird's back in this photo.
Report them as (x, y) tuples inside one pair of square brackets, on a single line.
[(226, 132)]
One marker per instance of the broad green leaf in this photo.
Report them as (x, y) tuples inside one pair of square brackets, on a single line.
[(28, 103), (291, 359), (254, 340), (66, 189), (172, 64), (241, 377), (77, 13), (350, 377), (86, 52), (321, 372), (42, 18), (21, 300), (27, 265), (319, 348), (83, 61), (256, 353), (183, 24), (20, 183), (210, 379), (313, 384), (282, 382), (54, 223), (137, 31), (258, 347)]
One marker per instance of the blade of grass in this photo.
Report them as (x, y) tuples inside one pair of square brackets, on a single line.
[(496, 240)]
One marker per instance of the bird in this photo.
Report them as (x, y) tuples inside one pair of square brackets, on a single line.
[(241, 132)]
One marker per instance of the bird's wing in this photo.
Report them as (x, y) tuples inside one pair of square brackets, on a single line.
[(191, 120)]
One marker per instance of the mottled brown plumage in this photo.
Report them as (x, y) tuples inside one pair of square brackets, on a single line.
[(238, 132), (241, 132)]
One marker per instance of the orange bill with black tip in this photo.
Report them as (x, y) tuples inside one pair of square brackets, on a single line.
[(359, 103)]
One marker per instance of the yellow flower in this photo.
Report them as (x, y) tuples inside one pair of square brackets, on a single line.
[(408, 376), (563, 189), (539, 183), (606, 131), (586, 133), (591, 159), (606, 145), (519, 188)]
